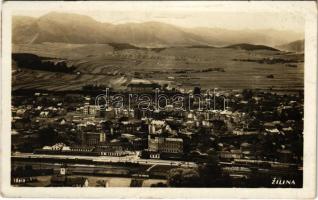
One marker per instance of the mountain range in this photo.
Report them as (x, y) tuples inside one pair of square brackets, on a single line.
[(296, 46), (81, 29)]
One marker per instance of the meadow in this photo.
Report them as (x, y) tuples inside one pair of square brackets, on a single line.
[(102, 64)]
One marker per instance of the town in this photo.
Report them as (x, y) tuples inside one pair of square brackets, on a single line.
[(232, 138)]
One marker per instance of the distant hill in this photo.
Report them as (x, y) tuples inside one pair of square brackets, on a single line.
[(250, 47), (296, 46), (201, 46), (223, 37), (58, 27), (79, 29)]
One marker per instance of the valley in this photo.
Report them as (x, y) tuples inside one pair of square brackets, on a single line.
[(102, 64)]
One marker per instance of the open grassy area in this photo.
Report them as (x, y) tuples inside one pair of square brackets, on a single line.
[(101, 64)]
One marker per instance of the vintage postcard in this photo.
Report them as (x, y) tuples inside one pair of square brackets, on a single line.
[(159, 99)]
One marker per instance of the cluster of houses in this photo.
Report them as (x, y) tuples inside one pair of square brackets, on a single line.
[(252, 126)]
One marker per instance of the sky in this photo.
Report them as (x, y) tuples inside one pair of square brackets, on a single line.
[(188, 16)]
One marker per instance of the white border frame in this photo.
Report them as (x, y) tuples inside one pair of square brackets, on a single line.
[(307, 9)]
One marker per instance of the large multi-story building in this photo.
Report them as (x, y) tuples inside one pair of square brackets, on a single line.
[(93, 138), (165, 145)]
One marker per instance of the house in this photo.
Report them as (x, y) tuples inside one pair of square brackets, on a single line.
[(287, 129), (233, 154), (44, 114), (20, 112), (244, 132), (272, 131), (156, 126), (58, 146), (91, 110)]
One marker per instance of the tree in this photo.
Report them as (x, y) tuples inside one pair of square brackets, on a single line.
[(196, 90), (47, 136), (183, 177), (247, 94)]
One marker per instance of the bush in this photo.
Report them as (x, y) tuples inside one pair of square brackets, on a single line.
[(182, 177)]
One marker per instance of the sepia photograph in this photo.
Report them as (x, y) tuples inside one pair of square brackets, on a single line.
[(160, 95)]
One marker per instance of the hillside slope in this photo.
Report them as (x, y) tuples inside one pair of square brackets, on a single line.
[(81, 29), (296, 46), (251, 47)]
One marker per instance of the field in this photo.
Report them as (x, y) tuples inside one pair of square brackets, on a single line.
[(185, 67)]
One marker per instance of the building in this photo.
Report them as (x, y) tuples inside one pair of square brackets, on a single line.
[(95, 138), (130, 126), (233, 154), (165, 145), (81, 148), (172, 145), (92, 138), (111, 150), (57, 147), (91, 110), (109, 113), (138, 144), (156, 126)]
